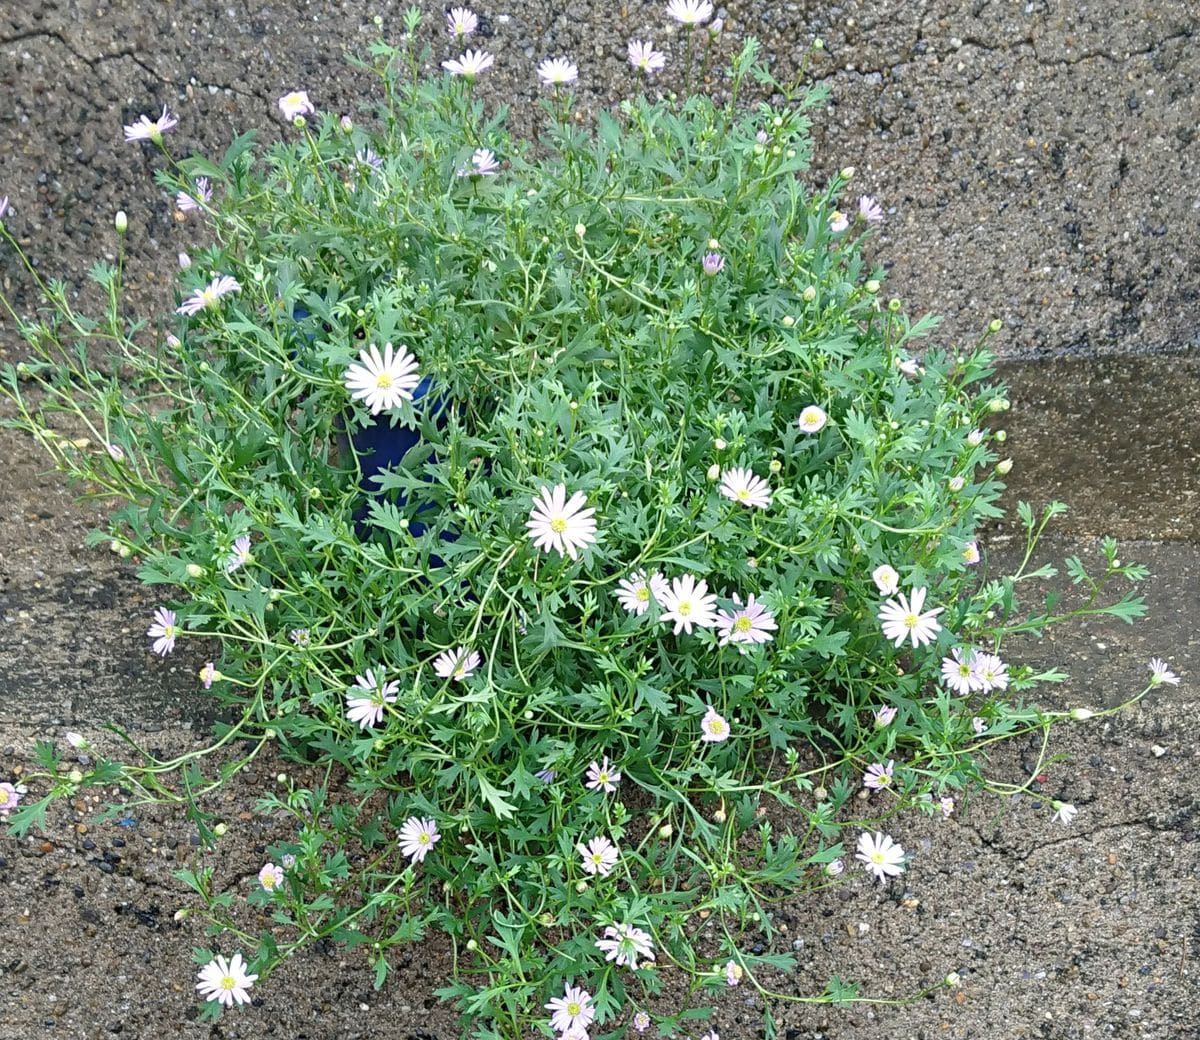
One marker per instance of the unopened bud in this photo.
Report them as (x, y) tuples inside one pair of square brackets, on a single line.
[(1001, 436), (665, 831), (194, 570), (1004, 466), (75, 776), (185, 261), (820, 794), (1081, 714), (872, 286), (714, 471), (472, 945), (775, 466), (281, 778), (847, 172), (77, 740), (179, 915), (818, 44), (720, 444), (715, 27), (581, 230), (220, 829), (810, 294), (894, 305), (581, 886), (995, 325), (788, 321), (998, 404), (299, 122), (713, 245), (121, 222), (953, 979), (719, 816), (346, 123)]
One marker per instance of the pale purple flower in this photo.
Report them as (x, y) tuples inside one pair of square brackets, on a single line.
[(202, 195), (970, 553), (713, 264), (601, 776), (270, 877), (947, 807), (742, 486), (642, 55), (958, 672), (886, 578), (713, 728), (1161, 673), (163, 631), (368, 159), (909, 366), (624, 944), (878, 776), (599, 856), (812, 419), (461, 21), (975, 438), (295, 104), (346, 123), (733, 972), (956, 483), (287, 861), (752, 623), (207, 674), (240, 555), (417, 837), (1064, 812), (635, 592), (185, 261), (834, 868), (979, 726), (115, 452), (381, 382), (301, 637), (762, 137), (371, 694), (641, 1021), (457, 664), (557, 72), (546, 776), (10, 798), (880, 855), (690, 12), (869, 210), (470, 64), (226, 982), (884, 717), (688, 603), (572, 1011), (711, 1034), (991, 672), (562, 525), (143, 129), (902, 618), (483, 164), (838, 221), (220, 286)]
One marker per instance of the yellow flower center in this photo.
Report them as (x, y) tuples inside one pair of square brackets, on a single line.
[(878, 857), (642, 595), (684, 609), (558, 525), (208, 296), (422, 838), (883, 779), (910, 621), (602, 778), (574, 1008), (228, 982), (383, 381), (743, 624), (743, 495)]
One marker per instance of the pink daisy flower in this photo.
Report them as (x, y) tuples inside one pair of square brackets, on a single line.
[(202, 195), (601, 776), (143, 129), (457, 664), (878, 776), (417, 837), (370, 695), (163, 631), (752, 623), (642, 55), (295, 104), (220, 286)]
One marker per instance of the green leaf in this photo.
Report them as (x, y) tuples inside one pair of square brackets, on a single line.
[(495, 798)]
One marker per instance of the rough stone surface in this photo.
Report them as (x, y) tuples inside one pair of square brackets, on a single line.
[(1038, 161)]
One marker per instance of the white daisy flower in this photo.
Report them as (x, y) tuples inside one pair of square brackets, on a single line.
[(903, 618), (635, 592), (457, 664), (562, 525), (880, 856), (688, 603), (742, 486), (382, 382)]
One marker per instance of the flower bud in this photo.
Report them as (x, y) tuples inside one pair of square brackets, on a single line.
[(179, 915), (791, 153), (581, 886), (194, 570), (665, 831), (775, 466), (872, 286), (281, 778), (995, 325), (953, 979), (759, 149), (818, 44), (75, 776), (894, 305), (472, 945), (714, 471), (713, 245), (810, 294), (1001, 436), (299, 122), (998, 404), (975, 438), (846, 172), (820, 794), (715, 27), (121, 222), (527, 715), (581, 230), (719, 816), (220, 829), (174, 343), (720, 444), (346, 123), (1081, 714), (185, 261), (752, 562), (1004, 466), (77, 740), (788, 321)]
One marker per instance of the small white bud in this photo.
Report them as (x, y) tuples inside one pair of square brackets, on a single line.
[(581, 230), (220, 829), (714, 471), (665, 831), (121, 222), (847, 172), (185, 261), (194, 570), (788, 321), (713, 245), (720, 444), (1080, 714), (1004, 466), (810, 294), (995, 325), (872, 286)]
